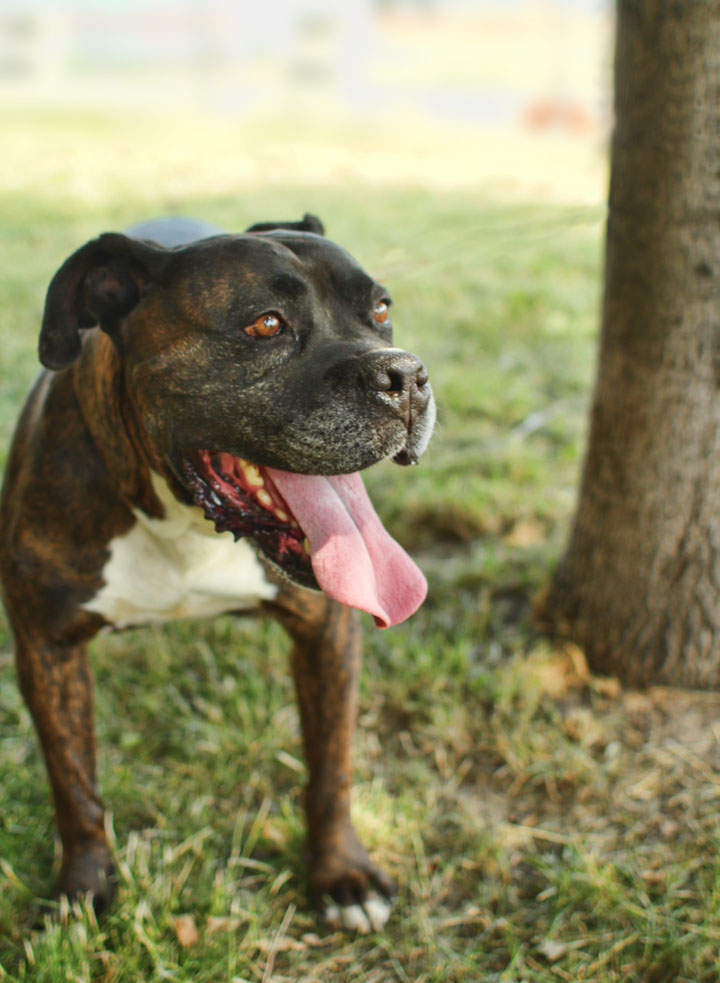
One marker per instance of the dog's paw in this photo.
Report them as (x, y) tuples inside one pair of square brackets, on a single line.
[(370, 915), (350, 891), (90, 873)]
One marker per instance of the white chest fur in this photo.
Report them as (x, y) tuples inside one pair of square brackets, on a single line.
[(177, 567)]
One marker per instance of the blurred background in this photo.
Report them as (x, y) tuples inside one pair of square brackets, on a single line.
[(532, 74)]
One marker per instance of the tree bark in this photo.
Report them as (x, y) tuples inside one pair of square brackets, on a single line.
[(639, 585)]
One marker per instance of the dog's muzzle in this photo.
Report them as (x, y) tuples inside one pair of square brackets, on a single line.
[(398, 380)]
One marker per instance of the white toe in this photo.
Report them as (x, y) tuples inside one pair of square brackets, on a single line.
[(355, 920), (331, 915), (371, 916), (377, 910)]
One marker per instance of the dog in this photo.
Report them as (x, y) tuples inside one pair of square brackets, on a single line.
[(192, 447)]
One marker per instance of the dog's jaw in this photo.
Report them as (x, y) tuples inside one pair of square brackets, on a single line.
[(241, 498), (319, 531)]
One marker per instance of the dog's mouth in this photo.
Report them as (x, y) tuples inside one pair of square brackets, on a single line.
[(321, 532), (241, 497)]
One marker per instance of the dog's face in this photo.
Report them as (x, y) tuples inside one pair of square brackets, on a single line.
[(244, 356), (268, 346)]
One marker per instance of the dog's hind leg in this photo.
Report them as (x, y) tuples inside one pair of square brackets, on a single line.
[(344, 883), (56, 681)]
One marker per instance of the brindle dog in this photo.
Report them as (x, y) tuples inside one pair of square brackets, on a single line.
[(192, 447)]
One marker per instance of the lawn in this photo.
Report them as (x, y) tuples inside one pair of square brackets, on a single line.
[(543, 824)]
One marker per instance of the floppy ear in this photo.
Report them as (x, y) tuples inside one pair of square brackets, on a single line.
[(308, 223), (98, 284)]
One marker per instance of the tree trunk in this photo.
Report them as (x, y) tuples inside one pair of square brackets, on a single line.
[(639, 586)]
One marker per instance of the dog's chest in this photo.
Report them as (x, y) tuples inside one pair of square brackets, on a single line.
[(177, 567)]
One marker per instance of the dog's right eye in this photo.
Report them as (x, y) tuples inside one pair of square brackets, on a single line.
[(265, 326)]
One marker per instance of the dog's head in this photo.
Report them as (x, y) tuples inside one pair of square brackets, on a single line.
[(247, 357)]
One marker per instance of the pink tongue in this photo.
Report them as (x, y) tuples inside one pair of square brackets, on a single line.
[(354, 558)]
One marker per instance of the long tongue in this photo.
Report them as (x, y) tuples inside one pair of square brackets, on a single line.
[(354, 558)]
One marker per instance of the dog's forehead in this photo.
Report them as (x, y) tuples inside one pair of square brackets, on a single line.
[(266, 256)]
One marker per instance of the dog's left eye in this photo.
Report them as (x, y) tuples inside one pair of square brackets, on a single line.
[(265, 326), (381, 312)]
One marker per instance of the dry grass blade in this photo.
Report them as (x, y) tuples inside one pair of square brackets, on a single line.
[(276, 942)]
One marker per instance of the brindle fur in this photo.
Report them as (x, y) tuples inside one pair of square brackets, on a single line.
[(170, 370)]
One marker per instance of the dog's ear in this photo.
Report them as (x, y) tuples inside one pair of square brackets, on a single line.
[(98, 284), (308, 223)]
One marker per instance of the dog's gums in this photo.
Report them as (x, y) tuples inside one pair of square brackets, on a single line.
[(242, 498)]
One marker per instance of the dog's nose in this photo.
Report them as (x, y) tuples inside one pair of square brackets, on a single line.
[(398, 379)]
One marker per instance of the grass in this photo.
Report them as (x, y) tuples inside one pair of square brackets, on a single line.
[(543, 824)]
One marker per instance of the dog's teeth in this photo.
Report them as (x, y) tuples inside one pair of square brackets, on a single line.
[(281, 515), (306, 546), (264, 498), (253, 476), (294, 525)]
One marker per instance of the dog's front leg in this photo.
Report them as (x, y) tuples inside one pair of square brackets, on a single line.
[(344, 882), (56, 682)]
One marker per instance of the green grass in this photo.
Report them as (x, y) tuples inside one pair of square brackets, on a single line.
[(543, 825)]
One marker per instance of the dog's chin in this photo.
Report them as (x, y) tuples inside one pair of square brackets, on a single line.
[(240, 497), (411, 450)]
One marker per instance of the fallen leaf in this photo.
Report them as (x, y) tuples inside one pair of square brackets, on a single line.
[(552, 950), (526, 532), (185, 930)]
